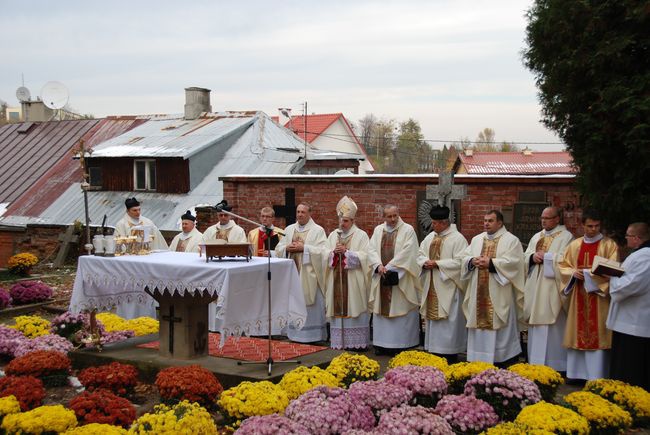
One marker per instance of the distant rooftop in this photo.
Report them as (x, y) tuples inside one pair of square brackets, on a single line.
[(514, 163)]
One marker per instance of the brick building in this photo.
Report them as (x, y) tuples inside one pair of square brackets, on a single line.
[(520, 198)]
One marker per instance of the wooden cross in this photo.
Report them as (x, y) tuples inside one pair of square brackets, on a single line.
[(66, 239), (171, 319), (287, 211)]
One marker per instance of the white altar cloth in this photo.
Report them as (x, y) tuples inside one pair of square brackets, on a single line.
[(104, 283)]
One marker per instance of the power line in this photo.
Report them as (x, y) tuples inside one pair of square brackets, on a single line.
[(451, 141)]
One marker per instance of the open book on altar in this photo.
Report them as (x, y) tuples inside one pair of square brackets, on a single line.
[(605, 266)]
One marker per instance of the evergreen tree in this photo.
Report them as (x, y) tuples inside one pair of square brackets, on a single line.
[(591, 63)]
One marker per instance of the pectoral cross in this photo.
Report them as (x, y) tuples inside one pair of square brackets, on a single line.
[(171, 319)]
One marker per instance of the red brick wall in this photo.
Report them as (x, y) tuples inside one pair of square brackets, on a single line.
[(249, 194)]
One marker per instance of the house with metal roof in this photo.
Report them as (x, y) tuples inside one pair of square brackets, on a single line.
[(330, 131), (526, 162), (172, 163)]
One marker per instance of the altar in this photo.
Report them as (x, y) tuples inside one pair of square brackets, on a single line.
[(124, 282)]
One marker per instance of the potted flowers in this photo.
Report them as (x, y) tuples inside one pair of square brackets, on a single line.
[(506, 391), (52, 367), (184, 417), (30, 292), (21, 264), (427, 383), (249, 399), (603, 416), (466, 414), (552, 418), (546, 378), (349, 368), (303, 379), (193, 383), (324, 410), (119, 378)]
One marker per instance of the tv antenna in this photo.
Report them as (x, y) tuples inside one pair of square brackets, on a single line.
[(55, 96)]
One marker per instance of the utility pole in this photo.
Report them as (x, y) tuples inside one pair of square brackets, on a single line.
[(305, 129)]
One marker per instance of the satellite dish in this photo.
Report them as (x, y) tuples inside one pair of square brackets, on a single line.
[(23, 94), (54, 95)]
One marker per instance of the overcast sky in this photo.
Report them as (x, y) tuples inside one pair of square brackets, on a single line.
[(455, 66)]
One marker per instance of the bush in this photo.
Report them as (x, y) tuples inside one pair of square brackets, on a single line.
[(27, 389), (21, 264), (30, 292), (102, 406), (52, 367), (116, 377), (193, 383)]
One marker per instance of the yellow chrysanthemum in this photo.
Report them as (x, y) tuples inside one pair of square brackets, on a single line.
[(349, 368), (510, 428), (303, 379), (97, 429), (634, 400), (602, 414), (252, 398), (417, 358), (32, 326), (54, 418), (112, 322), (9, 405), (182, 418), (143, 325), (552, 418)]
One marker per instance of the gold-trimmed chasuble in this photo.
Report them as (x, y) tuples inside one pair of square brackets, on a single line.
[(298, 236), (432, 296), (222, 234), (182, 244), (341, 281), (387, 254), (484, 307)]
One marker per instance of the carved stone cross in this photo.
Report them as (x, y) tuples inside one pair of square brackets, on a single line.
[(171, 319), (445, 191)]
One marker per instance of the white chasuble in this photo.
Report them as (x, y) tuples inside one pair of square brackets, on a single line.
[(441, 284), (231, 232), (351, 271), (310, 269), (123, 229), (542, 294), (405, 296), (505, 289), (187, 242)]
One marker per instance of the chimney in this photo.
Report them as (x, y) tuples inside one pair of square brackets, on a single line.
[(469, 152), (197, 101), (527, 151)]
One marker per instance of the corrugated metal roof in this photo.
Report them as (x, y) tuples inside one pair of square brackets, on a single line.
[(29, 150), (64, 171), (263, 148), (174, 137), (514, 163)]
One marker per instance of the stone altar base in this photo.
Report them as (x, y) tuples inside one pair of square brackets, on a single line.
[(229, 373), (183, 323)]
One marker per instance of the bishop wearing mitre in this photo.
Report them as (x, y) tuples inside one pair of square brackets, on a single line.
[(346, 281)]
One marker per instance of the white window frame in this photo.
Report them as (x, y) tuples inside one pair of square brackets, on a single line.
[(149, 182)]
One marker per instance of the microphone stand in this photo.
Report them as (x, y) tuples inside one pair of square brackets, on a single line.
[(268, 231)]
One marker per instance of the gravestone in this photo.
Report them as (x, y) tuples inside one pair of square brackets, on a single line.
[(526, 219)]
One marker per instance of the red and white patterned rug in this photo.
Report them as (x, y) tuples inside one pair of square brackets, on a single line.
[(252, 349)]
